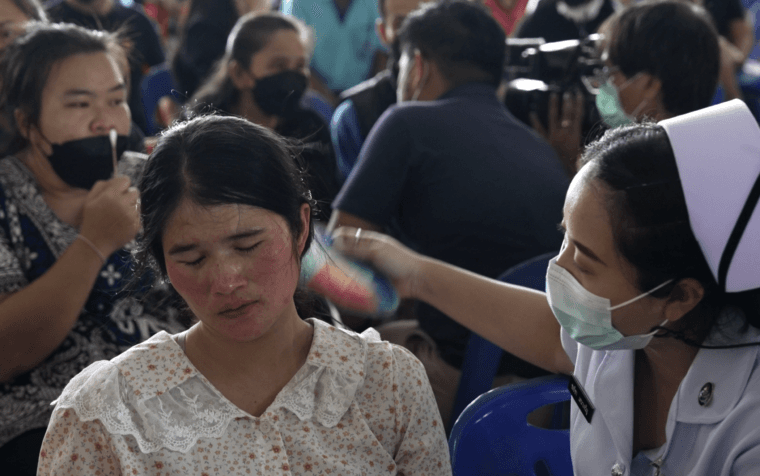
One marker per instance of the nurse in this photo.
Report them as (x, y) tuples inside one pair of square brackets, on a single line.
[(653, 303)]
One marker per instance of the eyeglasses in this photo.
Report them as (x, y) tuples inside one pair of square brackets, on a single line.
[(598, 78)]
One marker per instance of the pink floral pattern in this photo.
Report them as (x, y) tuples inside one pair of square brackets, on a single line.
[(357, 406)]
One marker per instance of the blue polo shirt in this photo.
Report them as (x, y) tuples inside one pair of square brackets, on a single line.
[(345, 46), (461, 180)]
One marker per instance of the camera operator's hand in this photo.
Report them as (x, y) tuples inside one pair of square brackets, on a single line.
[(564, 135)]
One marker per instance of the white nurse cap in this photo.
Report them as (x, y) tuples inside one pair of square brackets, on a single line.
[(717, 152)]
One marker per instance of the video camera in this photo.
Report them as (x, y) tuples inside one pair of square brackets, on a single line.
[(536, 69)]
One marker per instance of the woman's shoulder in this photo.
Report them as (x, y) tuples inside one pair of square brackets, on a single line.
[(127, 370), (152, 393)]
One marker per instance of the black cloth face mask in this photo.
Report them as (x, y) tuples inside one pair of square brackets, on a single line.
[(280, 94), (80, 163)]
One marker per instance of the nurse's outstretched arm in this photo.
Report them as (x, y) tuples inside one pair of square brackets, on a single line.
[(517, 319)]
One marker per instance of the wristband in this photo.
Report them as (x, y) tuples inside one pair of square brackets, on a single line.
[(94, 248)]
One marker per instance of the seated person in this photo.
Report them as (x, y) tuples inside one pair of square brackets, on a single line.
[(653, 303), (650, 71), (262, 77), (204, 38), (251, 387), (14, 14), (453, 173), (110, 15), (65, 227), (363, 104)]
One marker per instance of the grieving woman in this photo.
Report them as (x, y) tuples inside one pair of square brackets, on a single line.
[(251, 388), (652, 305), (65, 226)]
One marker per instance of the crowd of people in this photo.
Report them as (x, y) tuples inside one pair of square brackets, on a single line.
[(153, 314)]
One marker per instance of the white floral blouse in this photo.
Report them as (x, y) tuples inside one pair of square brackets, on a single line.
[(357, 406)]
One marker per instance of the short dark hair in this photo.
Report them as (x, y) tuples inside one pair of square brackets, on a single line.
[(460, 37), (251, 34), (32, 9), (218, 160), (381, 8), (674, 41), (650, 222), (26, 64)]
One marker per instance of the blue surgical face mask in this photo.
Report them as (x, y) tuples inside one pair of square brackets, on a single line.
[(609, 106), (586, 317)]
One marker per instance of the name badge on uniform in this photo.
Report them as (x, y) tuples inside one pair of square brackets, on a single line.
[(581, 399)]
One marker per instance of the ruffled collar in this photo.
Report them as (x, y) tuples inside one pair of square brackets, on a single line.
[(154, 393)]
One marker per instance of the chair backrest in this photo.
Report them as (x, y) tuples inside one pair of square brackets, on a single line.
[(493, 437), (481, 360), (157, 83), (317, 103)]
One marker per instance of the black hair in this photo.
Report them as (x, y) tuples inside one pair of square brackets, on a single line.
[(250, 35), (651, 228), (26, 64), (674, 41), (32, 9), (217, 160), (460, 37), (381, 8)]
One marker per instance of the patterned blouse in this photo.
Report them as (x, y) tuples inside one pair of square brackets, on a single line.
[(358, 406), (32, 238)]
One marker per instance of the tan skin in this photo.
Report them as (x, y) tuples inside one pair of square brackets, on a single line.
[(520, 320), (97, 7), (640, 96), (85, 96), (12, 22), (425, 77), (285, 51), (395, 13), (236, 267)]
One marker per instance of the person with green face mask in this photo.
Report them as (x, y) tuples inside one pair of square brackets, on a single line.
[(650, 71)]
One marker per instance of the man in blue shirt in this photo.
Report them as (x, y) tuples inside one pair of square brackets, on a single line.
[(364, 103), (452, 173)]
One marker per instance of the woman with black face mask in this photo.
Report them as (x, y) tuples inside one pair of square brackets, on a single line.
[(262, 77), (66, 218)]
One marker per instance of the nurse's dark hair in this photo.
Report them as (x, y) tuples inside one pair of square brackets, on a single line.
[(674, 41), (251, 34), (217, 160), (650, 223), (26, 63)]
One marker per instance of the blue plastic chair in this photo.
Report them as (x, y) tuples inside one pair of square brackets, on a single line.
[(317, 103), (157, 83), (493, 437), (482, 358)]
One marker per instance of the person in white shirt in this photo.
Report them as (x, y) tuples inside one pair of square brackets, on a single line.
[(251, 387), (653, 303)]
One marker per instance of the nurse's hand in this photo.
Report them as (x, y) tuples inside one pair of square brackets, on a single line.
[(396, 262)]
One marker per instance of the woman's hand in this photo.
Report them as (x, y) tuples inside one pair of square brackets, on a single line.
[(398, 263), (564, 135), (111, 216)]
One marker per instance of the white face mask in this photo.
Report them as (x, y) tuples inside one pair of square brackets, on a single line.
[(586, 317)]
